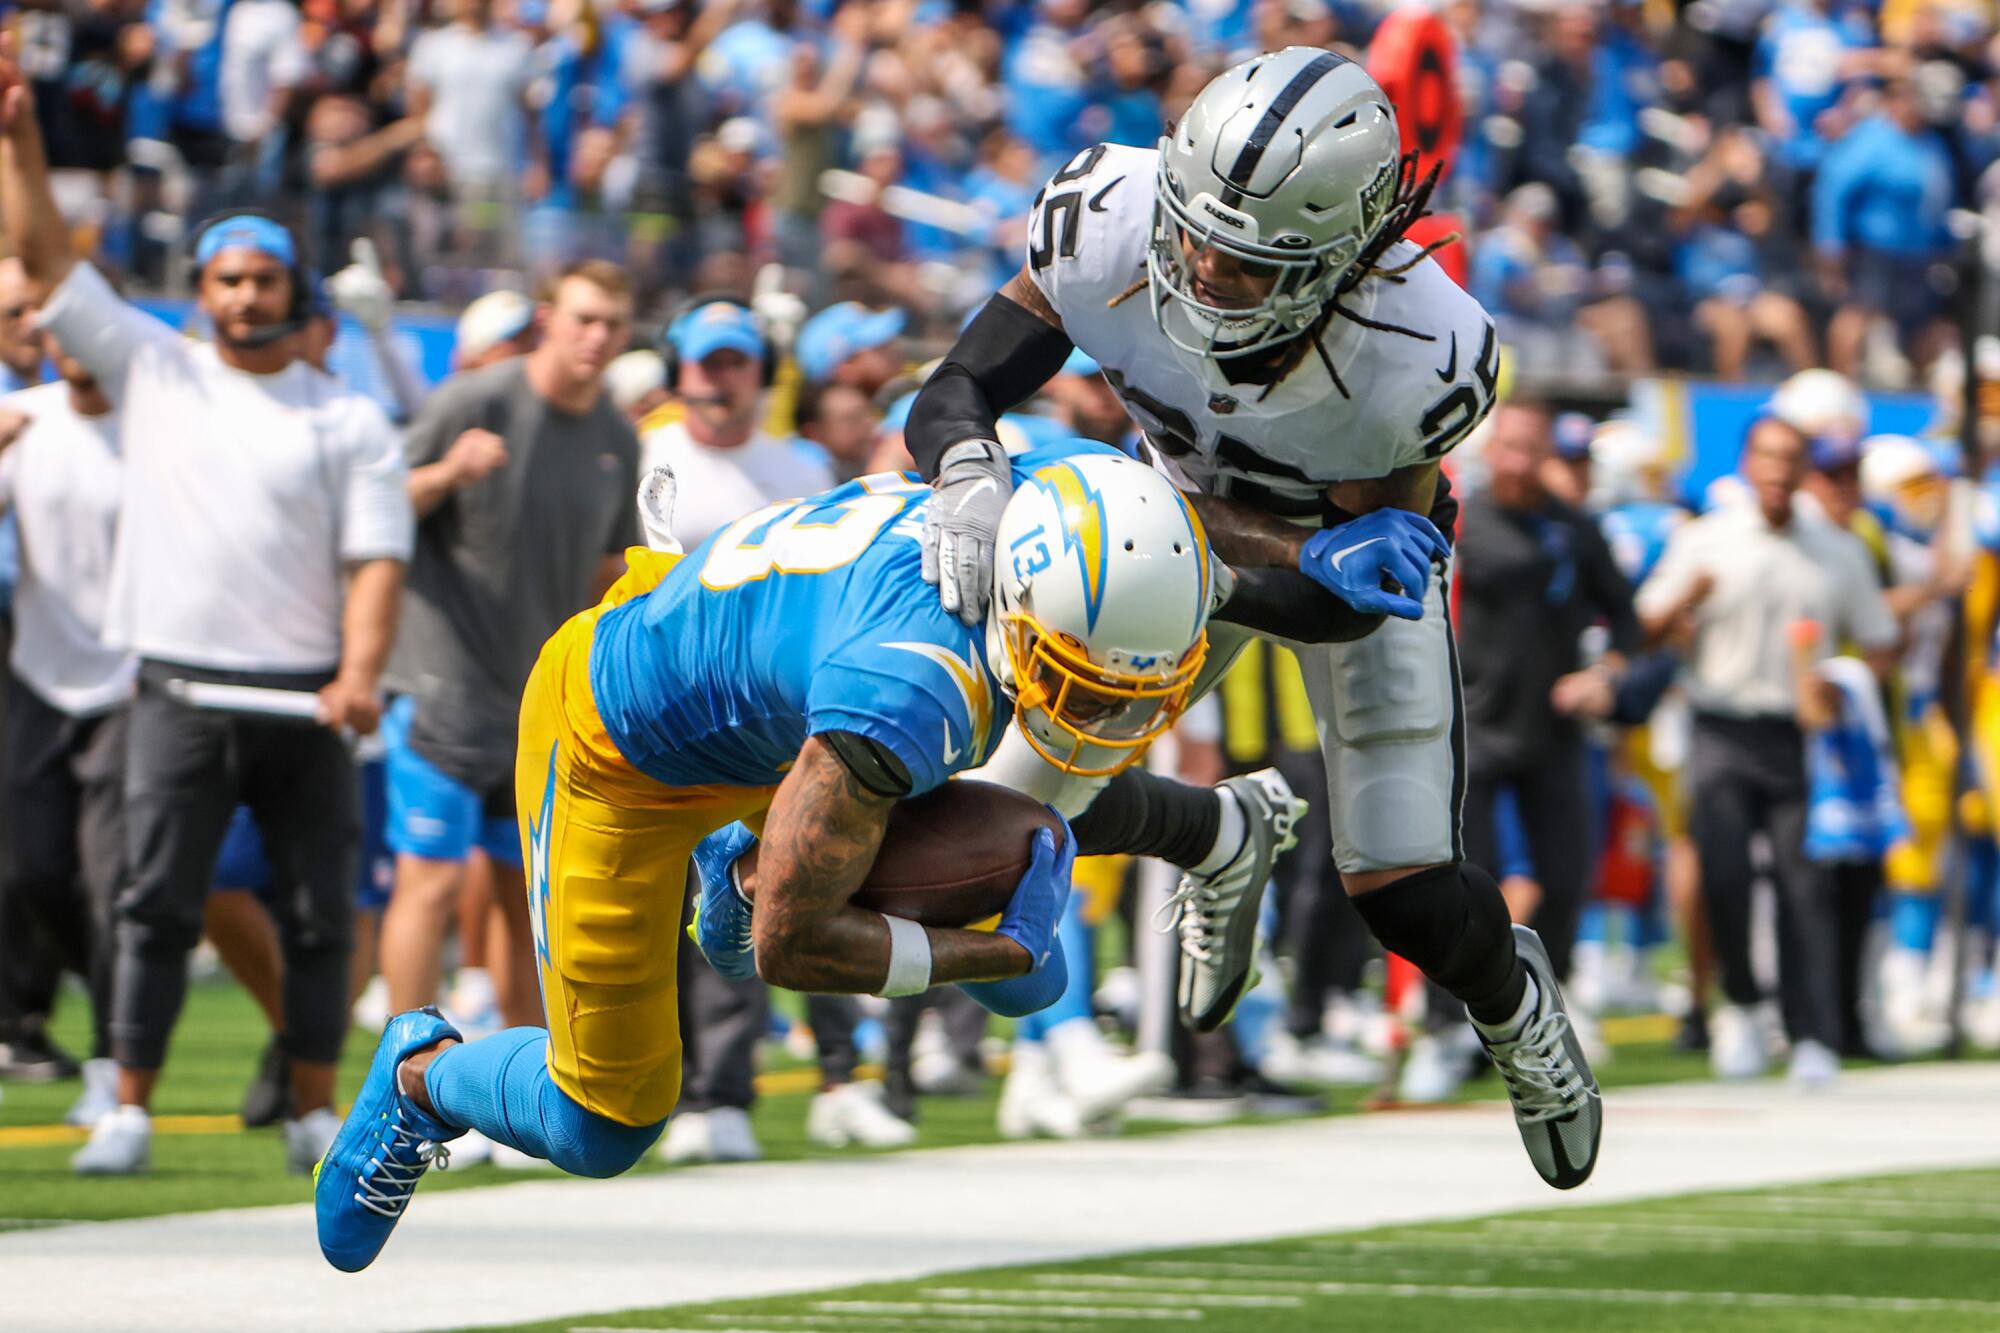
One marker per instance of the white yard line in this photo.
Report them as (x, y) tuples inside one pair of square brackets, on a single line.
[(545, 1250)]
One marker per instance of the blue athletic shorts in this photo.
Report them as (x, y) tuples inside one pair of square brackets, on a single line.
[(434, 815), (241, 863)]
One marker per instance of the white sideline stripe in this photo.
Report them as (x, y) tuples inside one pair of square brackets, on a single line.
[(1799, 1222), (1882, 1205), (842, 1321), (1515, 1291), (1950, 1240), (990, 1308), (1333, 1251), (1491, 1246), (1060, 1288), (561, 1250), (1224, 1274)]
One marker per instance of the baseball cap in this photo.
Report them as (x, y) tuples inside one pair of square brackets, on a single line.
[(1830, 453), (1573, 431), (245, 231), (491, 320), (632, 375), (715, 327), (840, 331)]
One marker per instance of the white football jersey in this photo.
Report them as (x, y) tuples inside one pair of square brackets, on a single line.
[(1390, 400)]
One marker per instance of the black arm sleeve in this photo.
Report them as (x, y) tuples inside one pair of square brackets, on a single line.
[(1002, 357), (872, 766), (1287, 604), (1610, 589)]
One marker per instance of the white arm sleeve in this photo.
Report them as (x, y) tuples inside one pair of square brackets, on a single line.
[(376, 522), (97, 327)]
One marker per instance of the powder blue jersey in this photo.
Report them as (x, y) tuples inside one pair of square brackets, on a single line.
[(802, 617)]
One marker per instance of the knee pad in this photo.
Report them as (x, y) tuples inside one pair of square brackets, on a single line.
[(1386, 704), (585, 1143)]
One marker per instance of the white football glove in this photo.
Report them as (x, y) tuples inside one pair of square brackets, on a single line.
[(361, 290), (961, 524)]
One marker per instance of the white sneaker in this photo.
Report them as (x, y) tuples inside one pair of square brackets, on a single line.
[(121, 1144), (1318, 1061), (473, 1007), (730, 1136), (687, 1140), (371, 1007), (1736, 1046), (1096, 1077), (1980, 1015), (1217, 912), (1907, 1020), (1814, 1066), (852, 1114), (308, 1138), (472, 1149), (100, 1094), (1031, 1105), (1433, 1069), (942, 1074)]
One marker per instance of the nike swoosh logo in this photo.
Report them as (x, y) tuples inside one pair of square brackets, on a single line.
[(1097, 200), (985, 484), (1450, 371), (1340, 556)]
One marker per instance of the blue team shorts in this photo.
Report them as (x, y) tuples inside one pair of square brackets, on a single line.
[(434, 815), (241, 863)]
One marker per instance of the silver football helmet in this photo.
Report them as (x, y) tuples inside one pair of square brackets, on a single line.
[(1290, 164)]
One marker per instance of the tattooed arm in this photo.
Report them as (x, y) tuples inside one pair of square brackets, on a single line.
[(822, 835), (1249, 538)]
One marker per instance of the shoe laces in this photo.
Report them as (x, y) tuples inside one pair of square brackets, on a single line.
[(1540, 1076), (1200, 908), (392, 1174)]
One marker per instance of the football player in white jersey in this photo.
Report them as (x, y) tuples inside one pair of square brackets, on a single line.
[(1301, 369)]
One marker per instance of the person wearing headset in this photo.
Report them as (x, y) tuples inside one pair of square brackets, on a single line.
[(261, 542), (719, 361)]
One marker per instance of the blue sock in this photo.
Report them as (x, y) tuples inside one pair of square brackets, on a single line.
[(1078, 943), (1913, 919), (500, 1086), (1591, 925)]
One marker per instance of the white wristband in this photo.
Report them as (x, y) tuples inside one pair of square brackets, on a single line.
[(909, 959)]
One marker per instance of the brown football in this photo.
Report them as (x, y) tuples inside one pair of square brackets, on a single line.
[(954, 855)]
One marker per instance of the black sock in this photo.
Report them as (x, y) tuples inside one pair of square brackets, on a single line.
[(1452, 922), (1142, 814)]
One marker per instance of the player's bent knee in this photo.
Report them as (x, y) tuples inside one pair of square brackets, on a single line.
[(584, 1143)]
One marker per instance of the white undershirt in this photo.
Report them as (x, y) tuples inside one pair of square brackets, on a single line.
[(61, 479), (718, 486), (244, 494)]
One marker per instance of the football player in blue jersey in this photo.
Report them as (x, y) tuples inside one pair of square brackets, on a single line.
[(795, 675)]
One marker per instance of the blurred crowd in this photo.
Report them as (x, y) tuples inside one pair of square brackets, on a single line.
[(1735, 186)]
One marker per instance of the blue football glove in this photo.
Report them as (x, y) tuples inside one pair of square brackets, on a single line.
[(1036, 908), (721, 925), (1352, 559)]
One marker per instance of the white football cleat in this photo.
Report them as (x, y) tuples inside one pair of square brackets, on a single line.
[(1814, 1066), (1318, 1061), (1736, 1046), (1031, 1105), (730, 1135), (1097, 1078), (1434, 1066), (308, 1138), (1557, 1106), (1217, 911), (100, 1094), (687, 1140), (121, 1144), (371, 1007), (852, 1115)]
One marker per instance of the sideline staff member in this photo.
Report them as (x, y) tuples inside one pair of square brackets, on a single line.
[(253, 484)]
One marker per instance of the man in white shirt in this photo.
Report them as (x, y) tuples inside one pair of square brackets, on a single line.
[(65, 693), (469, 84), (262, 542), (1741, 579), (716, 368)]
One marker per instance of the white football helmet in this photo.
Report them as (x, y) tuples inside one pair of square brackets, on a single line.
[(1290, 163), (1821, 405), (1101, 595), (1907, 482), (1628, 463)]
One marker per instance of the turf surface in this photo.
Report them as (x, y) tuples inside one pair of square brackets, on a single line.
[(202, 1159), (1903, 1252)]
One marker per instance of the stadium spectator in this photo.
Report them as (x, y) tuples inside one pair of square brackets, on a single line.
[(65, 735), (1536, 571), (1546, 300), (498, 326), (521, 477), (850, 344), (1085, 403), (808, 114), (468, 84), (1728, 226), (667, 114), (1804, 74), (840, 419), (21, 349), (261, 485), (264, 60), (1878, 209), (1738, 579)]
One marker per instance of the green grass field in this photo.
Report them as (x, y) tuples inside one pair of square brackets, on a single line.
[(1906, 1252), (206, 1161)]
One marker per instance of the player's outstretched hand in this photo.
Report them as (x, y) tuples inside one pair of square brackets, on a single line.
[(1037, 905), (1353, 559), (960, 525), (721, 926)]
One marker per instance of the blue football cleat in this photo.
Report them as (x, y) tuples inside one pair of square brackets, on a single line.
[(364, 1182), (721, 925)]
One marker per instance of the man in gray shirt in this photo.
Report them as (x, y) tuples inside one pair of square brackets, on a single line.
[(521, 478)]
